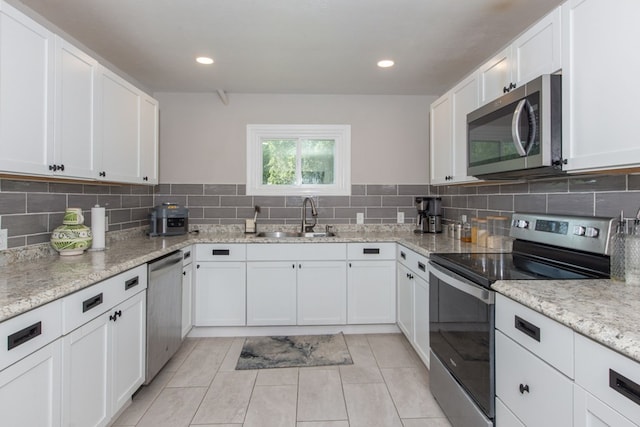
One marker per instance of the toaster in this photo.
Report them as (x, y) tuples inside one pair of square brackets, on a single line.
[(169, 219)]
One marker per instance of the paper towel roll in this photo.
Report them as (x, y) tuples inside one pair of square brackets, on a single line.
[(98, 227)]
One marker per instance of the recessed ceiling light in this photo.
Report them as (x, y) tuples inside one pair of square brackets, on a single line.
[(385, 63), (204, 60)]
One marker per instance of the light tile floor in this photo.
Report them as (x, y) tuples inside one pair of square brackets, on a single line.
[(386, 386)]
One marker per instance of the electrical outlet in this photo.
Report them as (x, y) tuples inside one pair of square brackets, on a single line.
[(400, 217), (3, 239), (360, 218)]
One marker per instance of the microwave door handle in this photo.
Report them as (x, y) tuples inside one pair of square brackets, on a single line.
[(515, 129)]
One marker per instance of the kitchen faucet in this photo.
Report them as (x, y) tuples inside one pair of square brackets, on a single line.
[(306, 228)]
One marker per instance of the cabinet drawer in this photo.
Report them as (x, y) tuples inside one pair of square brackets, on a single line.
[(610, 376), (87, 304), (365, 251), (542, 336), (415, 262), (297, 252), (534, 391), (187, 255), (504, 417), (26, 333), (128, 283), (221, 252)]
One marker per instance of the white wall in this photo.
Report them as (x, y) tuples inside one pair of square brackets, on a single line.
[(204, 141)]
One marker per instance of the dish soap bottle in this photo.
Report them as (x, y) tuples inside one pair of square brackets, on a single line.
[(465, 233)]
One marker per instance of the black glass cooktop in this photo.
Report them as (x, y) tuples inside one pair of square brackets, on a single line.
[(486, 268)]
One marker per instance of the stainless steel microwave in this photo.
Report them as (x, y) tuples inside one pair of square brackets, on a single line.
[(518, 135)]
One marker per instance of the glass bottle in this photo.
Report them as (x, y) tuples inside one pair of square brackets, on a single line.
[(465, 233), (617, 252), (474, 230), (482, 232)]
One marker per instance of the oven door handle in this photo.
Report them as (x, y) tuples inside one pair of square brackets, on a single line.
[(462, 284)]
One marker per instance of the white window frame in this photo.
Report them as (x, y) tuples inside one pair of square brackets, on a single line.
[(341, 134)]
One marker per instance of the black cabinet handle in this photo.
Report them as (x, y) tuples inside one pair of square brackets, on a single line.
[(187, 255), (131, 283), (421, 266), (61, 167), (24, 335), (146, 178), (524, 388), (371, 251), (624, 386), (403, 255), (184, 273), (299, 265), (103, 173), (349, 265), (527, 328), (92, 302), (220, 252)]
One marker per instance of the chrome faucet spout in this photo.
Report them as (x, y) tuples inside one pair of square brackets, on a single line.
[(306, 227)]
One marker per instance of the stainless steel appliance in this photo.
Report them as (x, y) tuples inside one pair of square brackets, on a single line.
[(164, 312), (429, 218), (461, 304), (169, 219), (519, 134)]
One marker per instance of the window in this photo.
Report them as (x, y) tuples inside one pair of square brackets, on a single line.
[(298, 159)]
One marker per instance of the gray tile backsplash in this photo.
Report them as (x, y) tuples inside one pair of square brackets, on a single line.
[(30, 210)]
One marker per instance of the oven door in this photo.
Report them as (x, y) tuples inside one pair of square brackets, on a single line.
[(461, 333)]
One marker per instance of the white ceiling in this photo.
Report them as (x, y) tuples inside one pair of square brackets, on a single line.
[(294, 46)]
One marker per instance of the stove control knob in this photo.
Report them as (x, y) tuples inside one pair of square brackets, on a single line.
[(579, 230), (592, 232), (520, 223)]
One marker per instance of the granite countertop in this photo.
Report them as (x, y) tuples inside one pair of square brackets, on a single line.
[(605, 311)]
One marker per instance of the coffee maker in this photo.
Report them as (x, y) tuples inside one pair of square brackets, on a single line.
[(429, 219)]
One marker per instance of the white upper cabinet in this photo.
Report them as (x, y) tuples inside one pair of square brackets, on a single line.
[(535, 52), (600, 67), (449, 132), (26, 85), (148, 140), (74, 139)]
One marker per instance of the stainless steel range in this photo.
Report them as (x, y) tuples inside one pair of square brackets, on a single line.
[(461, 304)]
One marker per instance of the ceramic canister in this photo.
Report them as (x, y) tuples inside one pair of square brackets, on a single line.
[(72, 237)]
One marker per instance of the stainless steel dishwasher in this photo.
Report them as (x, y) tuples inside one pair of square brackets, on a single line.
[(164, 312)]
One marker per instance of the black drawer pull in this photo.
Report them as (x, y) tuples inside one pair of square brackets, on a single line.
[(527, 328), (403, 255), (220, 252), (524, 388), (421, 266), (624, 386), (131, 283), (24, 335), (91, 302), (371, 251), (187, 255)]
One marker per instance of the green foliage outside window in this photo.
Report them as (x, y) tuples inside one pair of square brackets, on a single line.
[(280, 161)]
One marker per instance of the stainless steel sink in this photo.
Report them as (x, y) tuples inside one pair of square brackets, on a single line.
[(285, 234)]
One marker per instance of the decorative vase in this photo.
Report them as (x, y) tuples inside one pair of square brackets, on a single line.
[(72, 237)]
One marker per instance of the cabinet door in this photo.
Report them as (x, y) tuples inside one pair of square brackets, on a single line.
[(598, 106), (464, 99), (405, 301), (187, 299), (74, 146), (494, 76), (148, 140), (220, 294), (271, 293), (440, 136), (322, 293), (85, 382), (371, 292), (421, 318), (30, 389), (26, 85), (525, 384), (537, 51), (128, 346), (590, 411), (118, 130)]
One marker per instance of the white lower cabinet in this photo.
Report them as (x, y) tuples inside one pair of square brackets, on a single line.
[(322, 293), (271, 293), (371, 292), (421, 318), (220, 294), (30, 389), (405, 301), (588, 410), (104, 362), (187, 290), (504, 417)]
